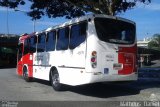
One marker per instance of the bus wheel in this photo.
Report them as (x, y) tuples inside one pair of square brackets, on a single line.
[(25, 74), (55, 81)]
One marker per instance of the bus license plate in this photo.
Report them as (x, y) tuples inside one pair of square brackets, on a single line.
[(106, 70), (117, 66)]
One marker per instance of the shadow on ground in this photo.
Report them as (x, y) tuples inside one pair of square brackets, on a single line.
[(107, 90), (117, 89), (99, 90)]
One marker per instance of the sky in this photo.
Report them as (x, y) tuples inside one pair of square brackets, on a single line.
[(147, 18)]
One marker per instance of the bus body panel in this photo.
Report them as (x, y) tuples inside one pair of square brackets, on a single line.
[(127, 56), (19, 64), (112, 61), (19, 58), (39, 65), (71, 65), (110, 54), (78, 78), (19, 68), (28, 62)]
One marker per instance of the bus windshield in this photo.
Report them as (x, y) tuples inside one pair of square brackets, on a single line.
[(115, 31)]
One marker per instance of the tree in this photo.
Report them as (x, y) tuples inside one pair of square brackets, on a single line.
[(73, 8), (155, 42)]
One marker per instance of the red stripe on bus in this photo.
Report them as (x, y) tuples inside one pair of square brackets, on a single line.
[(26, 60), (127, 57)]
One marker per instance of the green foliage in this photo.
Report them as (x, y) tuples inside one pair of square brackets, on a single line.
[(73, 8), (155, 42)]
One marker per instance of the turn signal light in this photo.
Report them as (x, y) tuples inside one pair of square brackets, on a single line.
[(94, 59), (94, 53)]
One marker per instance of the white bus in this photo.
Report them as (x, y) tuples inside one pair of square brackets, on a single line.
[(89, 49)]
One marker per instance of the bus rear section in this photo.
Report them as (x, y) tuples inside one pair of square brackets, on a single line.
[(111, 50)]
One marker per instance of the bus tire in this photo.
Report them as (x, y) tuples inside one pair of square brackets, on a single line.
[(25, 74), (55, 81)]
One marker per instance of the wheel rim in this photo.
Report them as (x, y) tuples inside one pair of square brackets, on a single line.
[(55, 80), (25, 73)]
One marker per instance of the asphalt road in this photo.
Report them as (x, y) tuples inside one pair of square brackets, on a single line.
[(14, 88)]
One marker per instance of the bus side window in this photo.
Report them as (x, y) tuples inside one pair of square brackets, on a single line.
[(26, 46), (33, 41), (50, 41), (63, 39), (41, 42), (78, 34)]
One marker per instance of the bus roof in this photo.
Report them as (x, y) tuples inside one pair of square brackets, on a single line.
[(86, 17), (75, 20), (24, 36)]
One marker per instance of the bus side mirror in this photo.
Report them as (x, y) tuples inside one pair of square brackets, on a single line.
[(20, 46)]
